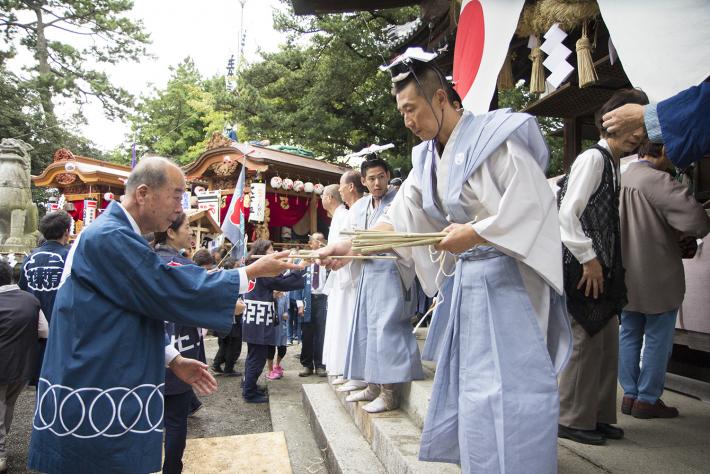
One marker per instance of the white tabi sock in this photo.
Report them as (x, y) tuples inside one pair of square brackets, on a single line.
[(367, 395), (387, 401), (339, 380), (352, 385)]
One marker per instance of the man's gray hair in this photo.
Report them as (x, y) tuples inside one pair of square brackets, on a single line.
[(332, 190), (151, 171)]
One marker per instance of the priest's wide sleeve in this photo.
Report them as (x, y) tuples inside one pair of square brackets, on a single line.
[(121, 268), (517, 215)]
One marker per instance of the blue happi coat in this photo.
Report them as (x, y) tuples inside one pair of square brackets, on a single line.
[(685, 125), (260, 323), (100, 394), (185, 338), (41, 272)]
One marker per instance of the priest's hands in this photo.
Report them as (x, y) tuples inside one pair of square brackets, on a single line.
[(593, 278), (460, 238), (336, 249), (195, 373), (271, 265), (624, 119)]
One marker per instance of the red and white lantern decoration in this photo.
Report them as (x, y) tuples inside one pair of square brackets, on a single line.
[(318, 188), (298, 185), (276, 182), (287, 184), (108, 196), (308, 187)]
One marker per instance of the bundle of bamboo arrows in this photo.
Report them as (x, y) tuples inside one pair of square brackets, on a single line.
[(311, 255), (372, 241)]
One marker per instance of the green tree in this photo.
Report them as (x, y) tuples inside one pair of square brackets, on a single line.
[(99, 32), (21, 116), (178, 120), (322, 90)]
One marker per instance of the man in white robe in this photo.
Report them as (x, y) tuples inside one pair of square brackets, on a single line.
[(333, 353), (345, 281), (495, 402)]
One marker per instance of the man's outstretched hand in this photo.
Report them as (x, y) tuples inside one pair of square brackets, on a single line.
[(336, 249), (271, 265), (624, 119), (195, 373)]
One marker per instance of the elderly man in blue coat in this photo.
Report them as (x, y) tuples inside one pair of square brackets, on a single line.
[(100, 393)]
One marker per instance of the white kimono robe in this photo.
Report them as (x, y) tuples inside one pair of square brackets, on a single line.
[(340, 289)]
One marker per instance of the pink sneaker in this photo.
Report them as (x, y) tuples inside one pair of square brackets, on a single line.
[(273, 375), (279, 370)]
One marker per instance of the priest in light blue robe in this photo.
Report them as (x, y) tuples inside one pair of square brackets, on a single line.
[(100, 395), (382, 349), (480, 179)]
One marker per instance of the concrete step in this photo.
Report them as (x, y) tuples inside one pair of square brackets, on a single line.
[(394, 438), (344, 448)]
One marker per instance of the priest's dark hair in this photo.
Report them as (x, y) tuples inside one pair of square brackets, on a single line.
[(54, 225), (5, 273), (259, 247), (162, 237), (355, 178), (428, 79), (620, 97), (374, 161)]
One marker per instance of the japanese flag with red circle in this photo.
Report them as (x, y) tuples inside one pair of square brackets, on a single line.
[(482, 39)]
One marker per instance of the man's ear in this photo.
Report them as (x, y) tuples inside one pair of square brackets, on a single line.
[(441, 97), (141, 193)]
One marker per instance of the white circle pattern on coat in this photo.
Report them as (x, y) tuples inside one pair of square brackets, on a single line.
[(130, 410)]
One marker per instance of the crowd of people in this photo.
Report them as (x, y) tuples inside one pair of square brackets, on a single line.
[(544, 301)]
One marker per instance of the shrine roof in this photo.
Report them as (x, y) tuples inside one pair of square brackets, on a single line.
[(260, 158), (87, 170)]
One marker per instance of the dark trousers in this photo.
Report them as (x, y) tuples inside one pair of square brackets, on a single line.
[(230, 348), (314, 334), (271, 352), (294, 322), (176, 409), (253, 367), (195, 403)]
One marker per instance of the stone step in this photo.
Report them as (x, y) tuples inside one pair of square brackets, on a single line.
[(415, 400), (343, 446), (394, 438), (416, 394)]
